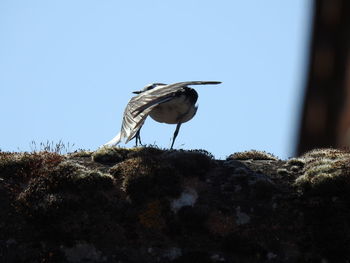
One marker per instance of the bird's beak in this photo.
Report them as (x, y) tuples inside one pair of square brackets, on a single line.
[(136, 92)]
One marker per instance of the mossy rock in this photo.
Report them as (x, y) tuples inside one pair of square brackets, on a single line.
[(252, 155), (67, 187), (27, 164), (109, 155), (147, 177), (326, 173), (299, 162), (327, 153), (194, 163), (81, 153), (113, 155), (145, 151)]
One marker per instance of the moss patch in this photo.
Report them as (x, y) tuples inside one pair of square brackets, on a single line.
[(195, 163), (109, 155), (21, 167), (252, 155), (325, 187), (147, 177), (113, 155), (326, 173), (81, 153), (68, 186)]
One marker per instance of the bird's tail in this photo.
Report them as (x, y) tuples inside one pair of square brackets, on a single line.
[(115, 140)]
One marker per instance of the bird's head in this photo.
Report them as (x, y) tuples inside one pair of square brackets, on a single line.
[(148, 87)]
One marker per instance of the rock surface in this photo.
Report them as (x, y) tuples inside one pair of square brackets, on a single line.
[(153, 205)]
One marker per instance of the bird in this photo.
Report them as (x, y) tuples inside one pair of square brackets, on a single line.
[(166, 103)]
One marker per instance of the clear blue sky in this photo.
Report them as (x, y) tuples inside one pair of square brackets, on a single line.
[(67, 70)]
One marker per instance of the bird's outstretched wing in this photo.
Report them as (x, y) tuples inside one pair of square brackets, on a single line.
[(146, 100), (141, 105)]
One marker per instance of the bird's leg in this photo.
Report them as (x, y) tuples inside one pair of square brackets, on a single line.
[(175, 134), (138, 137)]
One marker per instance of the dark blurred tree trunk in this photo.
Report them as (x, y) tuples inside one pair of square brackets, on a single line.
[(325, 118)]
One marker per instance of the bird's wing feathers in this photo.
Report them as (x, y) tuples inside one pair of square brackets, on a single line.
[(150, 101), (141, 105), (131, 124), (162, 94)]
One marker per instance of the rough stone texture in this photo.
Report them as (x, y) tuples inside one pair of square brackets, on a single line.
[(153, 205)]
